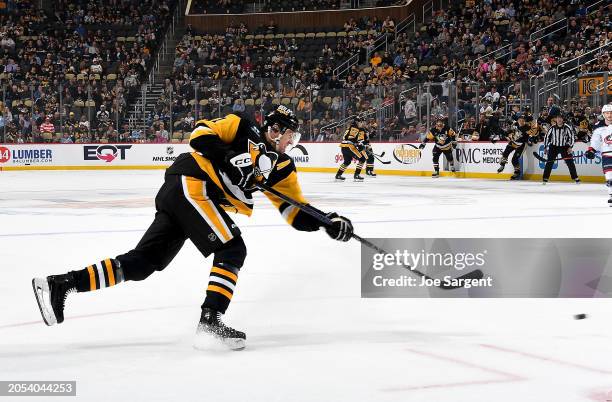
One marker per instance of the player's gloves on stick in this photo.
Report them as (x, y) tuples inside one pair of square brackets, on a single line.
[(590, 153), (341, 228), (422, 145), (241, 170)]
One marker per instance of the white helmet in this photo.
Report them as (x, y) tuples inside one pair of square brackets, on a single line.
[(606, 108)]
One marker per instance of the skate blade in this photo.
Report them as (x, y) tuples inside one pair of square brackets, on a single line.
[(42, 294), (358, 180), (339, 180), (208, 342)]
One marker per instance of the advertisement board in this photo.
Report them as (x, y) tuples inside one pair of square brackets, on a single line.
[(472, 159)]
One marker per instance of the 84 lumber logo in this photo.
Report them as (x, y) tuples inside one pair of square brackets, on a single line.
[(106, 153)]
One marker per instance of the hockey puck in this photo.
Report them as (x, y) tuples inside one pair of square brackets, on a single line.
[(580, 316)]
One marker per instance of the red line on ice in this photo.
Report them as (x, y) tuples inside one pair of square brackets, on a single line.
[(547, 359), (507, 377), (39, 322)]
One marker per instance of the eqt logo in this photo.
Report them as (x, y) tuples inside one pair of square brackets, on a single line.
[(106, 153), (5, 154)]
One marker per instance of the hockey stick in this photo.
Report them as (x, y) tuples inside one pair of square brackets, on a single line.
[(543, 159), (381, 155), (380, 160), (322, 217)]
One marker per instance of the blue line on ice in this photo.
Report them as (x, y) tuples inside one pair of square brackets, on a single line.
[(285, 225)]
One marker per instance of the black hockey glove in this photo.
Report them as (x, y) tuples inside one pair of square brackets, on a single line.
[(241, 170), (590, 153), (454, 144), (422, 145), (341, 228)]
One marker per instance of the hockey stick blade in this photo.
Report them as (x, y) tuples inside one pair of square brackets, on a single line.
[(470, 276), (381, 161), (543, 159)]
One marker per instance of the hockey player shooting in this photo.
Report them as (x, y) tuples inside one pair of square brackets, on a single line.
[(231, 156), (521, 133), (601, 141)]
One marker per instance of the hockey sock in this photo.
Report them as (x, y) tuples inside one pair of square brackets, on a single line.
[(221, 284), (437, 167), (341, 170), (369, 167), (358, 169), (104, 274)]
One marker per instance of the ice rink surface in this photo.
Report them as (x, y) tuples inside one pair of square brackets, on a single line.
[(310, 335)]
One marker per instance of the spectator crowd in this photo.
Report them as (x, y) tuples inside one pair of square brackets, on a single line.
[(479, 53)]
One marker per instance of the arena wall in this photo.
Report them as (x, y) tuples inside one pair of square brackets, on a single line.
[(474, 159)]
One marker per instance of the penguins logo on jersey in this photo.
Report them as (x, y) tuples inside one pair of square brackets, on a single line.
[(608, 139), (442, 138), (262, 160)]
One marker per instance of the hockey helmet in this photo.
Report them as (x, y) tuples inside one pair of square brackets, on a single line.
[(284, 117), (286, 120)]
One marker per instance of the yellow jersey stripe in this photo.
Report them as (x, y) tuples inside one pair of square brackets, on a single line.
[(195, 190), (200, 131), (288, 186), (207, 168), (282, 164)]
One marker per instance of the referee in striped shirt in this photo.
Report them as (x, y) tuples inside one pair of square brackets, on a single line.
[(559, 140)]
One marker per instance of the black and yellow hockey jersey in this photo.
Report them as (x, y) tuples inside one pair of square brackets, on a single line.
[(520, 135), (584, 128), (212, 141), (354, 139), (443, 139)]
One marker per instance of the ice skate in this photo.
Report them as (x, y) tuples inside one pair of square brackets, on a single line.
[(358, 178), (210, 325), (51, 293), (435, 174), (339, 178)]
